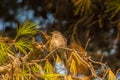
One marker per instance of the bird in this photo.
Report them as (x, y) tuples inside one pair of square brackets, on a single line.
[(57, 40), (58, 43)]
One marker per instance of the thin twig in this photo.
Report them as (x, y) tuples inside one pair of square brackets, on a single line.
[(117, 72), (37, 61), (87, 44), (95, 61), (105, 74), (26, 57), (101, 58), (11, 56), (77, 78)]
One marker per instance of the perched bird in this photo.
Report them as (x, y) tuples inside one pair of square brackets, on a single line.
[(57, 43), (57, 40)]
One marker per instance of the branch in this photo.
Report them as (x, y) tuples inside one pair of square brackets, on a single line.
[(96, 62), (5, 68), (8, 67)]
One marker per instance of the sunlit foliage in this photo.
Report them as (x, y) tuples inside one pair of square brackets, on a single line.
[(21, 59)]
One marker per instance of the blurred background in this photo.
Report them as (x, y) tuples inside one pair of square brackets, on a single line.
[(96, 20)]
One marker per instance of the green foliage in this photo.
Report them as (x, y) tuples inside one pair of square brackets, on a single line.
[(3, 52), (52, 76), (23, 74), (28, 28), (113, 7), (24, 45), (83, 7), (25, 67), (111, 75), (48, 68), (35, 69), (73, 67)]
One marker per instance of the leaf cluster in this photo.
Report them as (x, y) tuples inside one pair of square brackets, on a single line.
[(88, 7), (23, 58)]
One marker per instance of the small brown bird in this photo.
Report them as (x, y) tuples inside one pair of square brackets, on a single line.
[(57, 40)]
